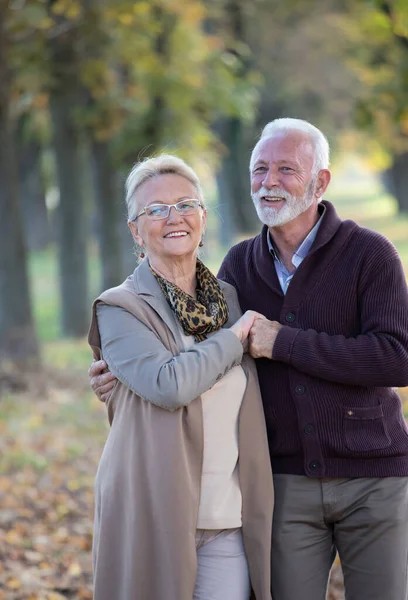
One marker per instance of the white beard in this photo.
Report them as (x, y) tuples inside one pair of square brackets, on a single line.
[(292, 208)]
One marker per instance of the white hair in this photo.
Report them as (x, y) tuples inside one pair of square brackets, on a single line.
[(153, 167), (317, 138)]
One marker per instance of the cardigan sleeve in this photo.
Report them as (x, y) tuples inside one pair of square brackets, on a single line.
[(376, 357), (137, 357)]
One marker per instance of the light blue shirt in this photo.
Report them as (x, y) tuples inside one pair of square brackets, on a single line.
[(284, 276)]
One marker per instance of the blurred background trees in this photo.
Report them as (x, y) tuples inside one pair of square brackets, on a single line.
[(88, 88)]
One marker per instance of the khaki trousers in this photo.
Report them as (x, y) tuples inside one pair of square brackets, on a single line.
[(364, 519)]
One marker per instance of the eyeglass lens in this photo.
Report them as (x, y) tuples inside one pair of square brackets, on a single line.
[(161, 211)]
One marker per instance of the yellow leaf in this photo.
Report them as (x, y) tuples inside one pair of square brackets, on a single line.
[(12, 537), (125, 18), (75, 570), (13, 583), (34, 421), (73, 11), (141, 8)]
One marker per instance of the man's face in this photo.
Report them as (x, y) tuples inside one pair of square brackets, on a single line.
[(282, 186)]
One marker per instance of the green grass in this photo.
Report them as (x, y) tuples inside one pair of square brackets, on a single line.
[(44, 278)]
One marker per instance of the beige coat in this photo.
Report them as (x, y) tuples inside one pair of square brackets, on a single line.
[(148, 482)]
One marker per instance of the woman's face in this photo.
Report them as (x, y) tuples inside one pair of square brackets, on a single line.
[(177, 236)]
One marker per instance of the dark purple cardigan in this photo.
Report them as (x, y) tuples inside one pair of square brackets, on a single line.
[(329, 405)]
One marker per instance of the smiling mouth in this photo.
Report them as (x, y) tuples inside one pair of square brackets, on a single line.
[(176, 234), (272, 198)]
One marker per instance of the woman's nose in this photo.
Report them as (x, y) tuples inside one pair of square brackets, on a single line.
[(174, 215)]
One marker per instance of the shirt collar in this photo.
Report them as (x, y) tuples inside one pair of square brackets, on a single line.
[(303, 249)]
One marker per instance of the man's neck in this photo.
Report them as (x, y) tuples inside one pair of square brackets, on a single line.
[(287, 238)]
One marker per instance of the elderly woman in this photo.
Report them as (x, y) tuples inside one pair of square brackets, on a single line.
[(184, 488)]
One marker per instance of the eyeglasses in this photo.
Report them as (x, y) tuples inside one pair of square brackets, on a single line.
[(156, 212)]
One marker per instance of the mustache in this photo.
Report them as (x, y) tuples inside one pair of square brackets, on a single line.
[(275, 192)]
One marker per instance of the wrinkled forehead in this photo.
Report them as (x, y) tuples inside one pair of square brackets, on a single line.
[(294, 146)]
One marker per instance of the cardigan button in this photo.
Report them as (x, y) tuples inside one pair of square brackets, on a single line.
[(309, 429), (300, 389), (314, 465), (290, 317)]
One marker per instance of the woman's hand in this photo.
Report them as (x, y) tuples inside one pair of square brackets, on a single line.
[(243, 326), (102, 381)]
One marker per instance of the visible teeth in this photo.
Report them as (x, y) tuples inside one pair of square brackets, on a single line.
[(176, 234), (272, 198)]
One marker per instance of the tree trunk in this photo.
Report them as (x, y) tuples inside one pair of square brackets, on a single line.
[(18, 343), (234, 198), (235, 205), (106, 202), (72, 243), (32, 193), (399, 181), (127, 247)]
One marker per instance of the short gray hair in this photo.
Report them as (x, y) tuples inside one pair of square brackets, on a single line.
[(153, 167), (318, 139)]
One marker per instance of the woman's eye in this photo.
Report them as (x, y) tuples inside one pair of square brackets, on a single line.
[(156, 211)]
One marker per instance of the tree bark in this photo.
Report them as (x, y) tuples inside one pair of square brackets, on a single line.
[(234, 195), (18, 343), (106, 201), (399, 181), (72, 243), (127, 246), (32, 192)]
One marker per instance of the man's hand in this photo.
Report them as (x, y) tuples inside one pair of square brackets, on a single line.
[(101, 383), (262, 338), (243, 326)]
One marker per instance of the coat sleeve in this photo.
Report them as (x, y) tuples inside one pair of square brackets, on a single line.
[(137, 357), (376, 357)]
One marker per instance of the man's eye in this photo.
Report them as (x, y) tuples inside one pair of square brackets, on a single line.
[(260, 169), (286, 169)]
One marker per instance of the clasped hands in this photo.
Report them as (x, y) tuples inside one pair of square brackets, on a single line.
[(257, 334)]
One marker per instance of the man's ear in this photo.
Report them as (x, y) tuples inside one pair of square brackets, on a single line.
[(323, 180), (134, 230)]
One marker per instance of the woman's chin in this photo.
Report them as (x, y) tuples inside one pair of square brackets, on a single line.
[(180, 252)]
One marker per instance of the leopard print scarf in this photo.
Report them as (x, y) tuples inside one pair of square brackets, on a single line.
[(197, 317)]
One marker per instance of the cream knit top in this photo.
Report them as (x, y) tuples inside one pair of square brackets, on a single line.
[(220, 499)]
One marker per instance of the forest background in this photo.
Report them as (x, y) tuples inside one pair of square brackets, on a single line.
[(86, 89)]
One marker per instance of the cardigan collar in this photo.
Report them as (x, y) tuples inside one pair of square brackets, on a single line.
[(264, 262)]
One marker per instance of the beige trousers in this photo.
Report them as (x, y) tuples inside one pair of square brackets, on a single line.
[(364, 519)]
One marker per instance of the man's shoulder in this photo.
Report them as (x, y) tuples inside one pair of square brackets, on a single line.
[(238, 260), (243, 247), (372, 242)]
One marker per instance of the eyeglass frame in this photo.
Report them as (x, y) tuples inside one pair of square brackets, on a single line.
[(169, 206)]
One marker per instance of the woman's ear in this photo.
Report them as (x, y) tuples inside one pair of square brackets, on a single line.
[(204, 221), (134, 230)]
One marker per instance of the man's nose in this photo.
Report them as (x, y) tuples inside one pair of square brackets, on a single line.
[(271, 178)]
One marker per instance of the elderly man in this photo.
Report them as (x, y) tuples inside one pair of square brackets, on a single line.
[(329, 353)]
